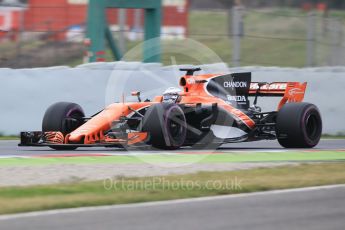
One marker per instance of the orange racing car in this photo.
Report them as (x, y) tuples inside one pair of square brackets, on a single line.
[(208, 110)]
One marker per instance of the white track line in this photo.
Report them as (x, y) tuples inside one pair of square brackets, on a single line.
[(160, 203), (13, 156)]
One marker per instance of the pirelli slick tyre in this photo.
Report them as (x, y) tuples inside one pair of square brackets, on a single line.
[(55, 120), (299, 125), (166, 125)]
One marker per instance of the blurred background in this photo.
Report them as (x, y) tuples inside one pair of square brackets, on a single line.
[(286, 33)]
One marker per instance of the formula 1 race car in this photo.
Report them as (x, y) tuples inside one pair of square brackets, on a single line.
[(209, 110)]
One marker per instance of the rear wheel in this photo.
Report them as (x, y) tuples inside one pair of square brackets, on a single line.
[(62, 117), (166, 125), (299, 125)]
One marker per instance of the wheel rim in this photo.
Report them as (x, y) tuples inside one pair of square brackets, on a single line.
[(175, 127), (75, 114), (312, 126)]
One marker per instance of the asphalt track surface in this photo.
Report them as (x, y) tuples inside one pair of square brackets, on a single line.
[(11, 148), (308, 209)]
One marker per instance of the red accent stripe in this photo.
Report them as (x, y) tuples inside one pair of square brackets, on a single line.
[(100, 59), (99, 53)]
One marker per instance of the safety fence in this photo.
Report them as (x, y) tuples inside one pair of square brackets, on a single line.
[(240, 36)]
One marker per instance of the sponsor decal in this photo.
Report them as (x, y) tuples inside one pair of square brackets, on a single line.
[(295, 91), (235, 84), (232, 88), (191, 81), (237, 98), (273, 86)]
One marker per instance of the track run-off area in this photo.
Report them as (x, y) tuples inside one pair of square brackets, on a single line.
[(263, 151), (24, 166)]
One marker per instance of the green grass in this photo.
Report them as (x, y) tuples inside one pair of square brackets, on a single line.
[(190, 157), (255, 51), (338, 136), (333, 137), (133, 190), (8, 138)]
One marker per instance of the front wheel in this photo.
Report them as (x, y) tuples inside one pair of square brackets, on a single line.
[(166, 125), (62, 117), (299, 125)]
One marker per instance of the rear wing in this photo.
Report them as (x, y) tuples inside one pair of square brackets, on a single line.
[(290, 91)]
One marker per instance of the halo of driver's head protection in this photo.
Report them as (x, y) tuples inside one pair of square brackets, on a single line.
[(171, 95)]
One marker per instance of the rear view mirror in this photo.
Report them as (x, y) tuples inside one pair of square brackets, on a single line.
[(136, 94)]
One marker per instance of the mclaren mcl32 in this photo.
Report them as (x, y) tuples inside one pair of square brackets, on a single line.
[(207, 110)]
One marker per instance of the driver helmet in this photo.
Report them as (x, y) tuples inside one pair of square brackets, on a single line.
[(171, 95)]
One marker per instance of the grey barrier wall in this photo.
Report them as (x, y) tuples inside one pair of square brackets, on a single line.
[(25, 94)]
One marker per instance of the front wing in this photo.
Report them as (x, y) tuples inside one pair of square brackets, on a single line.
[(38, 138)]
